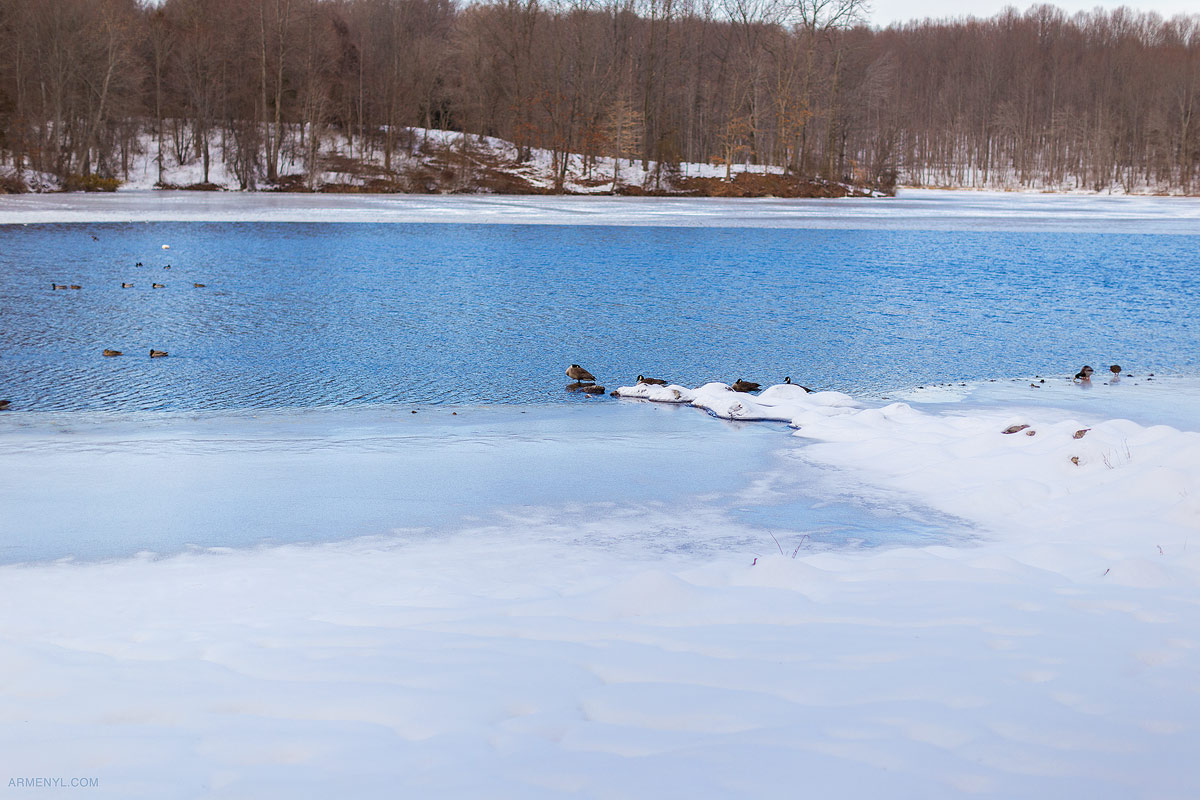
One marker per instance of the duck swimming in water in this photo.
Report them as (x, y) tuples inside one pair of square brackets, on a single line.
[(113, 352), (157, 353)]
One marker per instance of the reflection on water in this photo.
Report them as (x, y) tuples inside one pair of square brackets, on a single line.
[(305, 315)]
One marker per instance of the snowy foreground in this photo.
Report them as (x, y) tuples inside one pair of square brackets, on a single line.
[(1051, 650), (911, 209)]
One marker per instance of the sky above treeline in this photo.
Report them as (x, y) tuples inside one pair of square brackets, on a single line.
[(887, 12)]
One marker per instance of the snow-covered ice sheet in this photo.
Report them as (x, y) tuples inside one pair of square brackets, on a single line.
[(1052, 653), (909, 210)]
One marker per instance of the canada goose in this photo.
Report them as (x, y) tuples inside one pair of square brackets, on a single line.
[(108, 352), (578, 373), (168, 266), (788, 382), (158, 286), (138, 264), (126, 285), (4, 404), (1084, 375), (58, 286), (744, 386), (198, 285), (157, 353), (651, 381)]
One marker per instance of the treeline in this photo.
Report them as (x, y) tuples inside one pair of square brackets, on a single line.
[(1033, 99)]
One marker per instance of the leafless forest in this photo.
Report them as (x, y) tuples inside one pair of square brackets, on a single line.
[(802, 87)]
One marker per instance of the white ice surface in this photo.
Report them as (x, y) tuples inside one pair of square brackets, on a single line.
[(1048, 647), (911, 210), (552, 651)]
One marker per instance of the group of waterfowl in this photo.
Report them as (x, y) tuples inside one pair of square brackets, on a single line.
[(1084, 376), (124, 285), (153, 353), (585, 382), (109, 352)]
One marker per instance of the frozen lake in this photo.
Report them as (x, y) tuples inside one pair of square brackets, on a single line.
[(249, 570)]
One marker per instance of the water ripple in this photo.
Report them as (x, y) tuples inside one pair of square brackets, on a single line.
[(304, 314)]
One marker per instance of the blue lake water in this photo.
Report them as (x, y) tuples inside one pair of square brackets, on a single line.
[(299, 315)]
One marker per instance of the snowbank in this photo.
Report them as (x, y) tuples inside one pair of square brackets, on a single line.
[(1053, 655), (780, 403)]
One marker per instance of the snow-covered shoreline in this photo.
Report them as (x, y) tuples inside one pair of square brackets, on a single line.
[(1052, 654)]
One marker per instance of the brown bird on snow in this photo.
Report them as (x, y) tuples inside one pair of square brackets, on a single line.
[(744, 386), (578, 373), (157, 353), (651, 381), (1084, 375)]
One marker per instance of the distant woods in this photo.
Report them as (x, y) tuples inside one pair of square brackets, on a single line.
[(1024, 99)]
